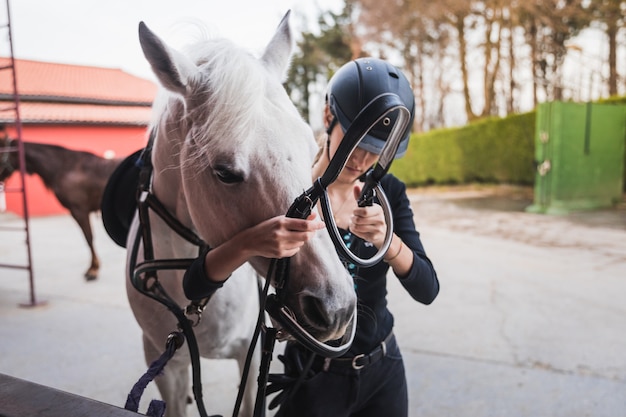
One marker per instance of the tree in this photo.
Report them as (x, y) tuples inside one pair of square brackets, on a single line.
[(611, 16), (549, 24), (471, 53), (419, 32), (317, 57)]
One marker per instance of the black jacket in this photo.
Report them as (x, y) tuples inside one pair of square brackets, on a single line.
[(374, 320)]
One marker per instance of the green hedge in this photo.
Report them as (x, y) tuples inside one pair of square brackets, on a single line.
[(493, 150)]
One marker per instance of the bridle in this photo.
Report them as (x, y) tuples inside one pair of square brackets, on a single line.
[(369, 116), (144, 274)]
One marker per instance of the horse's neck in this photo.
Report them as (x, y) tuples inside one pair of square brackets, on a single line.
[(43, 161)]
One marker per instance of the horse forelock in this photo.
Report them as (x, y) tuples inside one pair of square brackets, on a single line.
[(234, 93)]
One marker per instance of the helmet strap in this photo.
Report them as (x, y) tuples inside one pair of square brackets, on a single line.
[(329, 130), (328, 147), (331, 126)]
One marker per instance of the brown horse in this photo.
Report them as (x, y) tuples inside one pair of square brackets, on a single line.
[(76, 178)]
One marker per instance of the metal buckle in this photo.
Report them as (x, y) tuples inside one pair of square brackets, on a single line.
[(356, 358), (196, 310)]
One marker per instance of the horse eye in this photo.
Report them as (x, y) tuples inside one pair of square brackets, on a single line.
[(227, 176)]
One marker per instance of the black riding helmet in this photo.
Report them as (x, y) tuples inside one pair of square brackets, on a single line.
[(357, 83)]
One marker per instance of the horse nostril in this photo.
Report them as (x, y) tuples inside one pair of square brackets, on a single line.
[(314, 312)]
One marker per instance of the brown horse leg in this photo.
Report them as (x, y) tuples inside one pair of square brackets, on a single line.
[(82, 218)]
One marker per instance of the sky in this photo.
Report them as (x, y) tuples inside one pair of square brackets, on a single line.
[(104, 32)]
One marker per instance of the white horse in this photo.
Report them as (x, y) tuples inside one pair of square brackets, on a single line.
[(231, 150)]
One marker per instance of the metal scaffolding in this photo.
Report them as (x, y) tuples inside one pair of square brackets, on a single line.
[(11, 108)]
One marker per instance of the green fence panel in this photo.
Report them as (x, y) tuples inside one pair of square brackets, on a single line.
[(579, 149)]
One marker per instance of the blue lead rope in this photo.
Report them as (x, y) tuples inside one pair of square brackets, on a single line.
[(156, 407)]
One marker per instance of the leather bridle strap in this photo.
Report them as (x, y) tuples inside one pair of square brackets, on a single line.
[(302, 208), (147, 200), (367, 118), (149, 285)]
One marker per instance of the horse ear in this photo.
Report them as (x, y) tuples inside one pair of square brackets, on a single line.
[(278, 51), (172, 68)]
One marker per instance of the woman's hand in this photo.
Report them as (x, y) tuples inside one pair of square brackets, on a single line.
[(280, 237), (368, 223)]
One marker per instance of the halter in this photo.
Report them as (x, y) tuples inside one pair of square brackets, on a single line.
[(144, 275)]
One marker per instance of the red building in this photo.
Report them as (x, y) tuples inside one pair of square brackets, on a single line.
[(100, 110)]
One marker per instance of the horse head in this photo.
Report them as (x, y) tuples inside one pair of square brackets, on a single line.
[(231, 150), (8, 157)]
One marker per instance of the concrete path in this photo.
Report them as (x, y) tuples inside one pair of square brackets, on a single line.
[(530, 321)]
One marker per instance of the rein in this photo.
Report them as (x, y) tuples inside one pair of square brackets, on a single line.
[(369, 116), (144, 275)]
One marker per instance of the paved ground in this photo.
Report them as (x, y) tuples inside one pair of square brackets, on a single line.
[(530, 320)]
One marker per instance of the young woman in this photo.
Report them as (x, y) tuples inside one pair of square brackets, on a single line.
[(369, 380)]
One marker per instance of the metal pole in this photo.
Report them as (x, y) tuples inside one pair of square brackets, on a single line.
[(22, 163)]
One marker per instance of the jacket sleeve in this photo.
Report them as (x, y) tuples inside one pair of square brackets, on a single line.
[(195, 283), (421, 282)]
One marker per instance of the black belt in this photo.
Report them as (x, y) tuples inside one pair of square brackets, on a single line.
[(362, 360)]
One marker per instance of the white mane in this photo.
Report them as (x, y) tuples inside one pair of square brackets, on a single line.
[(232, 82), (231, 71)]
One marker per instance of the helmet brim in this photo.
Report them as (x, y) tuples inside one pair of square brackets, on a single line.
[(371, 143)]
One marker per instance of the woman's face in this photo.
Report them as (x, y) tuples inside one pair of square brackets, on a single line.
[(358, 163)]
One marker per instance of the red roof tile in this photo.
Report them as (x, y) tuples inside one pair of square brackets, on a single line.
[(34, 113), (46, 81), (63, 93)]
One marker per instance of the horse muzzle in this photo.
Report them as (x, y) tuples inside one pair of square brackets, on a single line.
[(315, 326)]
